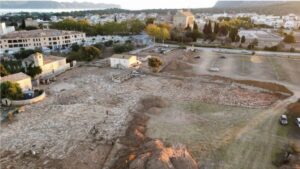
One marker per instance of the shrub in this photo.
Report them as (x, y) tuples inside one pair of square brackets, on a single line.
[(85, 53), (11, 90), (292, 49), (154, 63), (272, 48), (75, 47), (108, 43), (32, 71), (123, 48), (100, 46), (289, 38)]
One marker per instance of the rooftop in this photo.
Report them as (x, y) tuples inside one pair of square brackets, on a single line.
[(15, 77), (121, 56), (37, 33), (51, 58), (47, 59)]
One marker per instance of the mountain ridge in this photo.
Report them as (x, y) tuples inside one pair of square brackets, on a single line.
[(245, 4), (54, 5)]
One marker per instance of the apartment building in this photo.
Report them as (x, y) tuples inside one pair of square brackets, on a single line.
[(50, 38)]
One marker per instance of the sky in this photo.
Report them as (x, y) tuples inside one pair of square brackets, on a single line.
[(151, 4)]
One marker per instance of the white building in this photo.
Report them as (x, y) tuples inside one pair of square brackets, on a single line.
[(50, 38), (6, 29), (29, 22), (123, 61), (50, 65), (22, 79), (292, 24)]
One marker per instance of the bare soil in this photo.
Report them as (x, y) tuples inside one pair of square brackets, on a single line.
[(85, 115)]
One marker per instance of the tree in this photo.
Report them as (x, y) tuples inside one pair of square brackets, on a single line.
[(207, 31), (216, 28), (233, 35), (154, 63), (195, 34), (164, 34), (209, 28), (22, 54), (149, 21), (237, 38), (243, 40), (3, 71), (289, 38), (223, 30), (153, 31), (196, 26), (188, 28), (123, 48), (90, 52), (292, 49), (255, 42), (11, 90), (75, 47), (136, 26), (108, 43), (32, 71), (100, 46)]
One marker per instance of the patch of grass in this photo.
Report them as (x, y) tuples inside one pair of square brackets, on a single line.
[(283, 131), (200, 107)]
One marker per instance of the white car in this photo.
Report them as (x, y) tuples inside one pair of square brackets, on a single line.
[(283, 119), (214, 69), (298, 122)]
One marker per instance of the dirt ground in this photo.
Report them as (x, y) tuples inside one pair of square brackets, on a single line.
[(85, 113), (282, 69)]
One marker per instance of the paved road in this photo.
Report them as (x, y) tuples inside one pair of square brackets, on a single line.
[(222, 50)]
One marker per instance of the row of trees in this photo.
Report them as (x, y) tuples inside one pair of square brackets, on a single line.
[(210, 32), (129, 27), (83, 53), (121, 48)]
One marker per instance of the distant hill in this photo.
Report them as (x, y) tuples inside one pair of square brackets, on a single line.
[(245, 4), (54, 5), (262, 7)]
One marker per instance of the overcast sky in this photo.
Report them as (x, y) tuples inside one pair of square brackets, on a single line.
[(149, 4)]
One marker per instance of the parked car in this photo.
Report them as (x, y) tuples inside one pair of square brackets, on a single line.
[(283, 119), (298, 122), (223, 57), (197, 57)]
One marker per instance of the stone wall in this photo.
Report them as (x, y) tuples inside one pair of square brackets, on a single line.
[(24, 102)]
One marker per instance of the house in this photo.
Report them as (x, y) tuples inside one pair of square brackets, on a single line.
[(29, 22), (22, 79), (183, 19), (123, 61), (50, 65)]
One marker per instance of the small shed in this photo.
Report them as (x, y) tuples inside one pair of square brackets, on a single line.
[(22, 79), (123, 61)]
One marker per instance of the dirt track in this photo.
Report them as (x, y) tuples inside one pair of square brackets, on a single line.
[(256, 142)]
